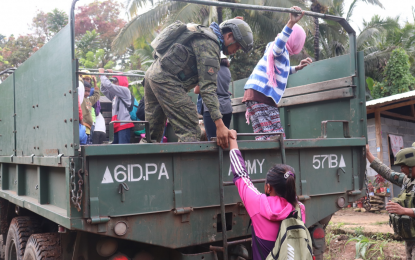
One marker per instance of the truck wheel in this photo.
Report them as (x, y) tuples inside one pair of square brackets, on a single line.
[(21, 228), (43, 246)]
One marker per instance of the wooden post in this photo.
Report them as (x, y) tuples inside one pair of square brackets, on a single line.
[(378, 127), (413, 110)]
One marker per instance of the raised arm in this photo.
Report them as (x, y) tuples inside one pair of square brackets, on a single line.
[(383, 170), (282, 38), (247, 191)]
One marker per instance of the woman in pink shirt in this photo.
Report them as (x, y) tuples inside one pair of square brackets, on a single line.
[(269, 209)]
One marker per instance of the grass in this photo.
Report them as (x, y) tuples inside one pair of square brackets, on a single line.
[(358, 230)]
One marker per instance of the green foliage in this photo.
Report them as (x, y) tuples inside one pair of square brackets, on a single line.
[(242, 64), (48, 24), (96, 26), (359, 230), (397, 77), (378, 248), (362, 245), (370, 82), (93, 59), (57, 20), (89, 42)]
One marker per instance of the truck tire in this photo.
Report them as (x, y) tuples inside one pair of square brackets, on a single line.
[(21, 228), (43, 246)]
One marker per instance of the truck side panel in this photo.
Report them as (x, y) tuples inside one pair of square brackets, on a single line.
[(7, 135), (46, 122)]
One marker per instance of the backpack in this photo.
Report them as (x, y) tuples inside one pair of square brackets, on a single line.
[(404, 225), (179, 32), (141, 110), (293, 240), (132, 108), (199, 105)]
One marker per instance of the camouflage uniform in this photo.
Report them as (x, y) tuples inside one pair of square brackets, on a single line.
[(166, 93), (399, 179)]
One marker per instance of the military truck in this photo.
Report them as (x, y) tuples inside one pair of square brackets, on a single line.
[(60, 200)]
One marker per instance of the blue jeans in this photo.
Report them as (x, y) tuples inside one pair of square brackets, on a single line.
[(210, 126), (122, 136)]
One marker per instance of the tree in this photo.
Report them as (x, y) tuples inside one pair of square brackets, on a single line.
[(397, 78), (17, 50), (48, 24), (96, 26)]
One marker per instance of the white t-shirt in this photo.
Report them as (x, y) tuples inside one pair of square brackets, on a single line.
[(100, 123), (81, 92)]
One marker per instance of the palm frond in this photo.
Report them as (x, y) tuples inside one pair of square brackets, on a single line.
[(132, 6), (374, 2), (351, 9), (191, 13), (366, 35), (141, 25)]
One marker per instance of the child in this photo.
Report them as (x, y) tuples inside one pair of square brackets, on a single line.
[(267, 83), (269, 209)]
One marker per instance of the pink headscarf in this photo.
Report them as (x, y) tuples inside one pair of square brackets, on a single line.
[(294, 45)]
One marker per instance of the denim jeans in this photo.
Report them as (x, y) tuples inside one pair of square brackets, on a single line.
[(122, 136)]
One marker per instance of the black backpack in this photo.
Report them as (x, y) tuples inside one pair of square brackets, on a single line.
[(140, 110)]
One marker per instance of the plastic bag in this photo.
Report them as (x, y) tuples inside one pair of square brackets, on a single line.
[(82, 135)]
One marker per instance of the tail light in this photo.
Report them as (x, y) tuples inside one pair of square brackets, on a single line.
[(318, 233), (119, 256)]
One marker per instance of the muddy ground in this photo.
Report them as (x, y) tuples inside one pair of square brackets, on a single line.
[(346, 225)]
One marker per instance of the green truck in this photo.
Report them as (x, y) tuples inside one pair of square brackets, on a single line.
[(60, 200)]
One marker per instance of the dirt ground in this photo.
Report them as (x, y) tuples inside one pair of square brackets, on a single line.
[(371, 222), (347, 224)]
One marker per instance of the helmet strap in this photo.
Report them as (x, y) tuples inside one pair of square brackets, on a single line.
[(225, 48)]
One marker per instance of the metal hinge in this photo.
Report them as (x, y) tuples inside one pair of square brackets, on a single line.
[(185, 212)]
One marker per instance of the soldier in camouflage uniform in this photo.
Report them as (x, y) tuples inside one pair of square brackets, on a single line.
[(183, 66), (406, 159)]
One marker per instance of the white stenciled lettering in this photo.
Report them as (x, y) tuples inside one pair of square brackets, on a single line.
[(260, 164), (252, 167), (108, 178), (135, 173), (342, 164), (131, 172), (333, 161), (117, 173), (163, 171), (148, 165)]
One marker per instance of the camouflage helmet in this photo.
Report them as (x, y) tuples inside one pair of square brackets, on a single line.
[(406, 156), (242, 33)]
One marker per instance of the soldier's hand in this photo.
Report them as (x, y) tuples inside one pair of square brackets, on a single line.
[(393, 207), (222, 134), (101, 70)]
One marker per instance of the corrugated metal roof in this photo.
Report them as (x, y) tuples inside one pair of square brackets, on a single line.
[(396, 97)]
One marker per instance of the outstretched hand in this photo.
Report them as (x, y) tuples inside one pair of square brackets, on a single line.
[(294, 18), (303, 64)]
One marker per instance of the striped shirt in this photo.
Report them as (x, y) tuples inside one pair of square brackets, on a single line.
[(259, 78)]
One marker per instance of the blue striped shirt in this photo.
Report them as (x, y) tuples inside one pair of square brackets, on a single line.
[(259, 78)]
